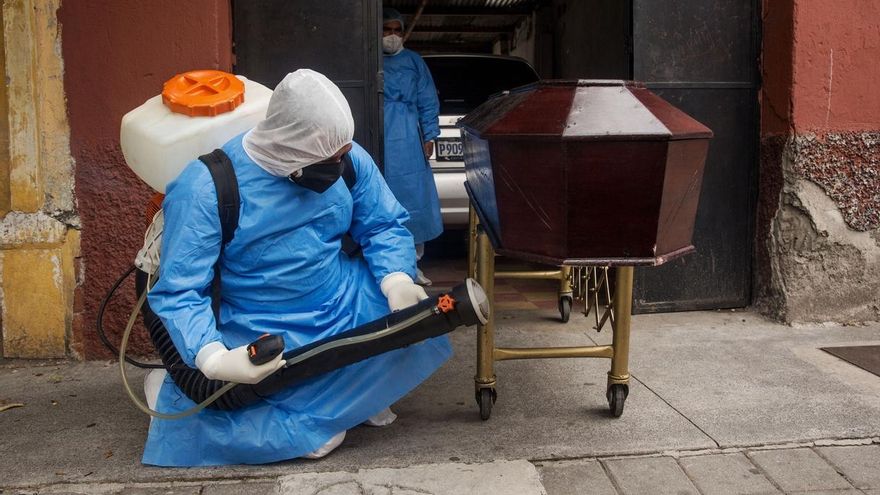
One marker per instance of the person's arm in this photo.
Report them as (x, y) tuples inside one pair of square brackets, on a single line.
[(427, 103), (182, 296), (377, 221), (190, 247)]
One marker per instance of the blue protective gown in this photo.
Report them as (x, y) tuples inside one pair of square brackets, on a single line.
[(283, 273), (411, 112)]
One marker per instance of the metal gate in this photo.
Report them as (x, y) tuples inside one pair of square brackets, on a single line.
[(338, 38), (702, 56)]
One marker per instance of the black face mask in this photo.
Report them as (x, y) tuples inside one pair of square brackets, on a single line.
[(318, 177)]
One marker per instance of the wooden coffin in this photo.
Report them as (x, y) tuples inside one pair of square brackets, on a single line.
[(585, 172)]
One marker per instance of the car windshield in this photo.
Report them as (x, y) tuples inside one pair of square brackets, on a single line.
[(464, 83)]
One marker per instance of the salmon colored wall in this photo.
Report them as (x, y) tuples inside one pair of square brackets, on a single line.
[(117, 54), (836, 65), (821, 65)]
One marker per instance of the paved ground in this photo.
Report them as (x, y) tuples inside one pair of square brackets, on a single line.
[(720, 402)]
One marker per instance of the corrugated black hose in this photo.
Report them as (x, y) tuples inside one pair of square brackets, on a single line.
[(465, 305)]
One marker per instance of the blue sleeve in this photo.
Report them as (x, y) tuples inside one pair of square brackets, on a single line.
[(190, 247), (377, 221), (427, 102)]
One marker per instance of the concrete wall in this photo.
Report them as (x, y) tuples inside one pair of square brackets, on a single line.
[(819, 215), (521, 44), (118, 53)]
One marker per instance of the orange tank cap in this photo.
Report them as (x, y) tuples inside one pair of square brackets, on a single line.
[(203, 93)]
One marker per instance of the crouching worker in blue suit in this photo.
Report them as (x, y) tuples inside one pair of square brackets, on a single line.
[(284, 273)]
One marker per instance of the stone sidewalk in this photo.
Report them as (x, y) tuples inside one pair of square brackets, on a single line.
[(720, 402), (850, 467), (831, 467)]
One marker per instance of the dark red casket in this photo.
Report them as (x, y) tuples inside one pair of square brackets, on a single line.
[(585, 172)]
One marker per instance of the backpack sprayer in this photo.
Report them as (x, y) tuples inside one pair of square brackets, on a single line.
[(465, 305), (158, 139)]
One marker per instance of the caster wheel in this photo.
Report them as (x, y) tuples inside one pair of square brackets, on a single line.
[(616, 398), (485, 398), (565, 308)]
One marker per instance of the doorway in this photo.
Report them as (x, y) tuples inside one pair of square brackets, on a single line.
[(700, 55)]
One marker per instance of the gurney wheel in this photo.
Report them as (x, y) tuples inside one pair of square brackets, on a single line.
[(565, 308), (485, 398), (616, 398)]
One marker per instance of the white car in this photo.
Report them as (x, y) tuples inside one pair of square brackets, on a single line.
[(464, 82)]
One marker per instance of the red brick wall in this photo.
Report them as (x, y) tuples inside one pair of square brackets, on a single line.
[(117, 54)]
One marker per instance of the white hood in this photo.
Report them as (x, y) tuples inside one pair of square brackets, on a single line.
[(308, 120)]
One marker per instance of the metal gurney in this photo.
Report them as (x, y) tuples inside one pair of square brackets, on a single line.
[(594, 177)]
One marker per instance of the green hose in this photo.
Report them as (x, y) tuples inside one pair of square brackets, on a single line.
[(134, 398), (360, 339)]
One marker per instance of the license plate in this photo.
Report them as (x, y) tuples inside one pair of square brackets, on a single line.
[(449, 149)]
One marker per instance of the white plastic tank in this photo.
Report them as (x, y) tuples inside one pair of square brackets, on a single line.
[(196, 113)]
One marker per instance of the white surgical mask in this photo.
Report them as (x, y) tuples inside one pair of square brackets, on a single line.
[(392, 44)]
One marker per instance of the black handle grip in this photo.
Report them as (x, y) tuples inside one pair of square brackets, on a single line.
[(265, 348)]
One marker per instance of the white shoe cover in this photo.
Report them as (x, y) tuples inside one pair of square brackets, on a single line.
[(421, 279), (152, 385), (384, 418), (327, 447)]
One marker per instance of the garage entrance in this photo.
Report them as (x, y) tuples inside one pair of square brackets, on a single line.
[(700, 55)]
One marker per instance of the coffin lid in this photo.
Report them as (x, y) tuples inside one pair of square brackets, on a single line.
[(585, 109)]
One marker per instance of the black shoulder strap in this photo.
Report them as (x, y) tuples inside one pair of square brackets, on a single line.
[(228, 200), (349, 174)]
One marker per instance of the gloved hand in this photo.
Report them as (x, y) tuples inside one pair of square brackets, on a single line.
[(401, 291), (232, 365)]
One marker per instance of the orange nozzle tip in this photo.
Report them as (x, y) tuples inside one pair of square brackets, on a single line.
[(203, 93), (445, 303)]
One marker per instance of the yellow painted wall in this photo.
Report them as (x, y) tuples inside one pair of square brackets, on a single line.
[(38, 283), (39, 236), (4, 133)]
